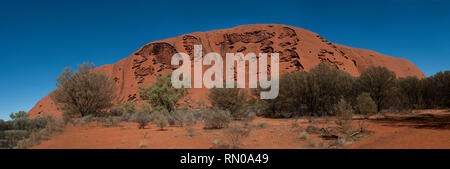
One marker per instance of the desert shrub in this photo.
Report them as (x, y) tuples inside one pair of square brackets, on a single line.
[(3, 125), (116, 111), (256, 105), (181, 117), (128, 107), (124, 110), (235, 134), (344, 114), (175, 118), (39, 122), (217, 119), (160, 119), (53, 125), (18, 115), (379, 82), (126, 117), (365, 105), (14, 136), (83, 92), (21, 124), (230, 99), (142, 117), (48, 125), (111, 121), (3, 142), (161, 95), (24, 132)]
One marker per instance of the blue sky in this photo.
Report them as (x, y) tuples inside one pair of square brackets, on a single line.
[(39, 38)]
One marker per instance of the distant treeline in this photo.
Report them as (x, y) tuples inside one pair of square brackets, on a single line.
[(317, 91)]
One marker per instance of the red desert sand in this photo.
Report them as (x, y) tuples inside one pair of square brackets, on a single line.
[(427, 129)]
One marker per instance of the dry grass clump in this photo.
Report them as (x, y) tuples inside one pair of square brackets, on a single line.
[(190, 130), (344, 115), (217, 144), (235, 134), (143, 144)]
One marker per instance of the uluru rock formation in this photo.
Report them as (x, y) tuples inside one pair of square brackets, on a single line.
[(299, 49)]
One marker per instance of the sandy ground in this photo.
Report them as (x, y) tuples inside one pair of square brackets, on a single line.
[(428, 129), (425, 129)]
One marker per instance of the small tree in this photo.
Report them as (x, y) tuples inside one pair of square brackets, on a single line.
[(230, 99), (365, 105), (18, 115), (161, 95), (83, 92), (379, 82)]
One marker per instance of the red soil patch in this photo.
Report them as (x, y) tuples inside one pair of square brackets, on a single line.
[(428, 129), (275, 135)]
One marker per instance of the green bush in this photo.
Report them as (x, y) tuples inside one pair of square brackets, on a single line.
[(161, 95), (18, 115), (128, 107), (365, 105), (229, 99), (83, 92)]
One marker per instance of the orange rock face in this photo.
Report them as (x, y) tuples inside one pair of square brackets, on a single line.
[(299, 49)]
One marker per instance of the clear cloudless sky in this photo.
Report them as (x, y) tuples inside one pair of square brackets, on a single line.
[(38, 38)]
